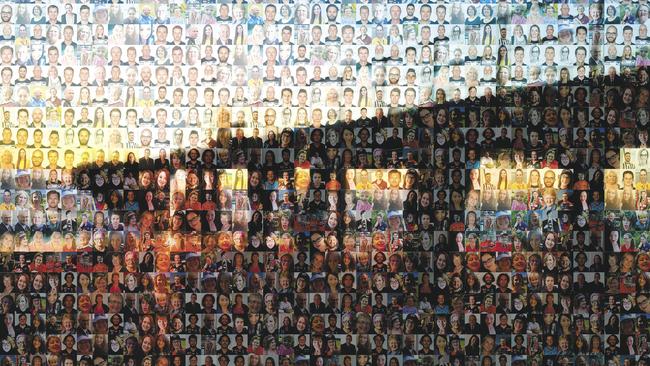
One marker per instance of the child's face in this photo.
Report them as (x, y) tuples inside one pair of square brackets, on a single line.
[(161, 300)]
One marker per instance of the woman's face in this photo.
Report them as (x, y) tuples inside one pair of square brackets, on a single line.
[(473, 262)]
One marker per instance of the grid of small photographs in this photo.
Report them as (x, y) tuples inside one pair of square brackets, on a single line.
[(324, 183)]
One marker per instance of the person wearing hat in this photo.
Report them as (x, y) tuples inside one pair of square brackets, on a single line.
[(503, 220), (101, 15), (100, 324), (503, 243), (193, 262), (23, 179), (519, 324), (84, 346), (504, 262), (209, 283)]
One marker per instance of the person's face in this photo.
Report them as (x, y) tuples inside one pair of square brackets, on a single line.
[(549, 179)]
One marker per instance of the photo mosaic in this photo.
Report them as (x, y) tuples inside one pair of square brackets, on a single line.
[(324, 183)]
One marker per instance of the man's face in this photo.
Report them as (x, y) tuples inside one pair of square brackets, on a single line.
[(269, 12), (549, 179), (5, 14), (177, 56), (52, 12), (332, 13), (223, 53), (549, 54), (440, 13), (177, 33), (6, 196), (426, 33), (611, 34), (145, 138)]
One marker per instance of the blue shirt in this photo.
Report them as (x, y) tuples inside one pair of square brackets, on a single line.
[(146, 19), (37, 103)]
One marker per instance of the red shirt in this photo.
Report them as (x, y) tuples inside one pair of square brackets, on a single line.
[(487, 246), (551, 165), (333, 185)]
